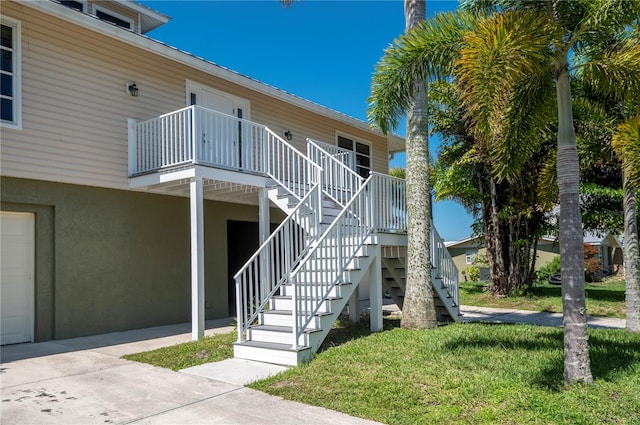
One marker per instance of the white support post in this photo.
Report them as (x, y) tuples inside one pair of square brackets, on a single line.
[(354, 306), (133, 148), (264, 230), (197, 258), (375, 290)]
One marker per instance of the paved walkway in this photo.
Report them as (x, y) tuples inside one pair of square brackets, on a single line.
[(84, 380), (506, 315)]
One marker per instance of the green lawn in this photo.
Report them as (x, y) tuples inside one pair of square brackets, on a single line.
[(180, 356), (469, 374), (604, 298)]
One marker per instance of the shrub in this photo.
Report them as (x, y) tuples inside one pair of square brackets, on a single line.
[(592, 264), (552, 267), (472, 273)]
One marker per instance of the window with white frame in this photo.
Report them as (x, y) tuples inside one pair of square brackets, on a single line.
[(362, 152), (470, 255), (10, 82)]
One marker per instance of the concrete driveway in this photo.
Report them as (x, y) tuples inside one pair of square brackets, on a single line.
[(84, 381)]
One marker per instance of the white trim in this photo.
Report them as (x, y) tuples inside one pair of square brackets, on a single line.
[(468, 257), (157, 47), (143, 10), (195, 87), (16, 124), (96, 8)]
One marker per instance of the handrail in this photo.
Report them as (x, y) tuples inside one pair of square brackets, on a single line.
[(339, 182), (441, 260), (346, 156), (324, 265), (262, 275)]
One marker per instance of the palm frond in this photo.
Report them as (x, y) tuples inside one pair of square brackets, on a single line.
[(626, 143), (425, 52), (504, 58), (614, 70)]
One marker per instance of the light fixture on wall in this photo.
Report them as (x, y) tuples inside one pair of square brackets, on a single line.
[(287, 134), (132, 88)]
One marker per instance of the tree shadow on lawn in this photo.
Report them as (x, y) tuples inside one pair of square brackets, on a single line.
[(610, 355)]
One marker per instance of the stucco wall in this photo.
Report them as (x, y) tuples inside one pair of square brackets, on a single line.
[(110, 260)]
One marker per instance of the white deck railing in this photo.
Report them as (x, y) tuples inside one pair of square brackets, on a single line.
[(390, 203), (196, 135), (339, 182)]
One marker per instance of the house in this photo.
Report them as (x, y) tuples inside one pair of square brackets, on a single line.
[(143, 186), (609, 250), (463, 252)]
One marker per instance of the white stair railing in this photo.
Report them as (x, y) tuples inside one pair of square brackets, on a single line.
[(325, 264), (264, 273), (441, 260), (345, 156), (339, 182)]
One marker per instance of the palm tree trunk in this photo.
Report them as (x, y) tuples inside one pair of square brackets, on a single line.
[(419, 306), (577, 366), (631, 263), (499, 273)]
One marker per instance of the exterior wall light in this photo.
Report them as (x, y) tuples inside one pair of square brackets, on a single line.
[(132, 89), (287, 134)]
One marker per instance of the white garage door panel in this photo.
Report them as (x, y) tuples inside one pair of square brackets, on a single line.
[(16, 277)]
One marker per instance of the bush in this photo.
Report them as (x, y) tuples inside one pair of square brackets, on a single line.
[(472, 273), (552, 267)]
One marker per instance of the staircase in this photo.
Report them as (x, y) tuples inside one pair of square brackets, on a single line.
[(293, 288)]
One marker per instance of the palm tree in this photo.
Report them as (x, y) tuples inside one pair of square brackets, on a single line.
[(626, 142), (419, 310), (569, 28), (580, 29)]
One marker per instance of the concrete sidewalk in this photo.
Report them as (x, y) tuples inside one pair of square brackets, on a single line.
[(84, 381), (505, 315)]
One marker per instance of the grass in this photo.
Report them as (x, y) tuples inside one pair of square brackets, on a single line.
[(180, 356), (604, 298), (469, 373)]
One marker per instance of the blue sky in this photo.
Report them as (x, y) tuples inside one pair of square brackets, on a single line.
[(323, 50)]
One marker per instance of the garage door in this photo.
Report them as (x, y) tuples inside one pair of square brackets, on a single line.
[(16, 277)]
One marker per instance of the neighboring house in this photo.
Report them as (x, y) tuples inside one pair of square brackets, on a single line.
[(609, 251), (137, 180), (464, 251)]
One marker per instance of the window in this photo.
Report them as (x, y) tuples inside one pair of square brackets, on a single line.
[(115, 19), (77, 5), (362, 152), (10, 84), (470, 255)]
